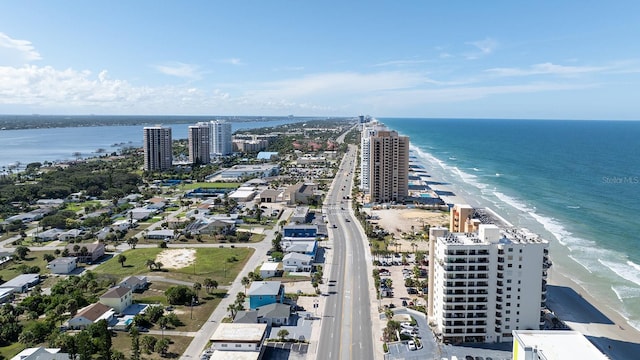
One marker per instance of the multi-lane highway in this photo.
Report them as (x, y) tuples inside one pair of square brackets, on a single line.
[(347, 327)]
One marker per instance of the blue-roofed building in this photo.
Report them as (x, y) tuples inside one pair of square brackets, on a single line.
[(265, 292), (300, 231), (267, 155)]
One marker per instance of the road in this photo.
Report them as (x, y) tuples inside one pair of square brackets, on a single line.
[(347, 328)]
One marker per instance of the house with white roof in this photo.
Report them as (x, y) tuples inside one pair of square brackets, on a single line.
[(63, 265), (232, 337), (269, 269), (296, 262), (41, 353)]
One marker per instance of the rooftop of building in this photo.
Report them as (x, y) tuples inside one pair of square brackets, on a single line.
[(557, 344), (230, 332)]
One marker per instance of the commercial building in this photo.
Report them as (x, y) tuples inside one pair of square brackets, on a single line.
[(484, 285), (158, 152), (553, 345), (238, 337), (199, 144), (388, 167), (220, 133)]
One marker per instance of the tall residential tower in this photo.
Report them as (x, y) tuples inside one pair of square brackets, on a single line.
[(199, 141), (158, 152), (388, 167), (221, 142)]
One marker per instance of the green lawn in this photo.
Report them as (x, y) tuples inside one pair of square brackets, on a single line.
[(122, 342), (34, 258), (79, 206), (9, 351), (210, 263)]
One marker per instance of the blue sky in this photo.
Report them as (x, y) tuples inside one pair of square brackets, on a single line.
[(484, 59)]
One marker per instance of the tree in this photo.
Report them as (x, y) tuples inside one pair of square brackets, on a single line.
[(232, 310), (162, 346), (245, 282), (150, 263), (135, 343), (122, 259), (159, 265), (148, 343), (283, 334), (132, 242), (197, 286), (180, 294), (210, 284), (48, 257), (21, 252)]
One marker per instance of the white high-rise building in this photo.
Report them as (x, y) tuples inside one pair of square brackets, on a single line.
[(369, 129), (199, 144), (484, 285), (158, 150), (220, 133)]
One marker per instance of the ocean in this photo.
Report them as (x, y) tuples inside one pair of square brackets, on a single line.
[(575, 183), (60, 144)]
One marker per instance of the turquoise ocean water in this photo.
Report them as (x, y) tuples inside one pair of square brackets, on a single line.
[(576, 183)]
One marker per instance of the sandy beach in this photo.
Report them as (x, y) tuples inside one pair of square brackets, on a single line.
[(602, 325)]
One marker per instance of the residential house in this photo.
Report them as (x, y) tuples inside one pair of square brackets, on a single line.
[(70, 234), (211, 225), (62, 265), (272, 314), (41, 353), (118, 298), (303, 246), (6, 295), (91, 314), (269, 269), (141, 213), (21, 283), (135, 283), (124, 224), (296, 262), (265, 292), (49, 235), (92, 253), (166, 235), (230, 337)]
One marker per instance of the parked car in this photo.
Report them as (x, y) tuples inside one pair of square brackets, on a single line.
[(412, 345)]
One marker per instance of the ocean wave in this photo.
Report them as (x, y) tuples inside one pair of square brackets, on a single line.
[(573, 206), (580, 263), (624, 270), (469, 178), (625, 292), (513, 202), (475, 169)]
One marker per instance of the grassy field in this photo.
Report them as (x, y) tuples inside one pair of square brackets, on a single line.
[(34, 258), (79, 206), (210, 263), (9, 351), (122, 342)]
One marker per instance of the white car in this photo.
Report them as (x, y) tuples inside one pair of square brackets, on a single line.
[(412, 345), (406, 325)]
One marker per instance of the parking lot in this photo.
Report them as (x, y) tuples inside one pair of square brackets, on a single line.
[(402, 296)]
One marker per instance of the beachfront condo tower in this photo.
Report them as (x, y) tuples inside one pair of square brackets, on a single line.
[(158, 152), (199, 144), (221, 142), (368, 130), (461, 218), (486, 284), (388, 167)]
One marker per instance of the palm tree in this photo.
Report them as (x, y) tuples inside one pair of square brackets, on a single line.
[(245, 282), (232, 310), (159, 265), (196, 287), (150, 263), (122, 259)]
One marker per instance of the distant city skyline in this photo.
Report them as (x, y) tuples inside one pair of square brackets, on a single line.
[(543, 60)]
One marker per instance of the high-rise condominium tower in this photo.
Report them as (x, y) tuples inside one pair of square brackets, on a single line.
[(158, 152), (199, 141), (486, 284), (221, 142), (388, 167)]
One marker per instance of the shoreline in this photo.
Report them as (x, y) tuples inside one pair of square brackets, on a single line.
[(605, 327)]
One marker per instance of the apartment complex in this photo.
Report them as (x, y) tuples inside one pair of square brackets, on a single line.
[(486, 284), (461, 219), (199, 144), (388, 167), (220, 133), (368, 130), (158, 151)]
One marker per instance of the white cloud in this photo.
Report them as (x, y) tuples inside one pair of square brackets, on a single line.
[(400, 63), (484, 47), (232, 61), (178, 69), (16, 52), (546, 69)]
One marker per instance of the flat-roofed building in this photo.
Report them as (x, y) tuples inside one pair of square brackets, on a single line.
[(388, 167), (239, 338), (199, 144), (484, 285), (553, 345), (460, 218), (221, 141), (157, 145)]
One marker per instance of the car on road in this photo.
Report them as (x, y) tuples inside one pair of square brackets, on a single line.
[(412, 345)]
